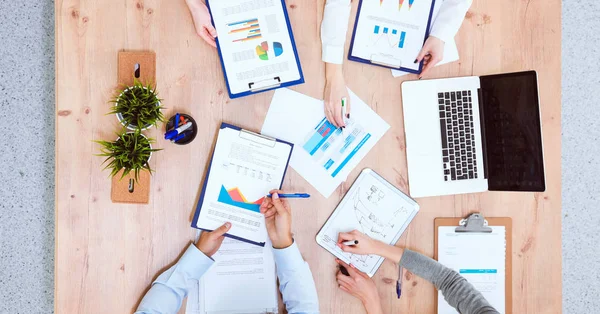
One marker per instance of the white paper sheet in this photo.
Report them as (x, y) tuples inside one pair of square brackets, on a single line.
[(323, 155), (244, 169), (450, 49), (243, 280), (254, 42), (480, 258), (391, 32), (373, 207)]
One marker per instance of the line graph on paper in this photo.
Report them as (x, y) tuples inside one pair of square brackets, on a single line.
[(374, 208)]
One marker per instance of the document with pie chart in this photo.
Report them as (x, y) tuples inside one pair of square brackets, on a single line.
[(256, 45), (245, 166)]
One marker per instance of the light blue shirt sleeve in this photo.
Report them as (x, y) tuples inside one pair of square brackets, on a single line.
[(171, 287), (296, 282)]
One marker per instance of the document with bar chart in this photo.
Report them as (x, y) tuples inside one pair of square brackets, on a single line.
[(256, 45), (391, 33), (324, 155), (245, 166)]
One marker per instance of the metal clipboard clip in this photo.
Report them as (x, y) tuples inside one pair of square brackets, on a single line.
[(386, 61), (474, 223), (264, 84), (258, 138)]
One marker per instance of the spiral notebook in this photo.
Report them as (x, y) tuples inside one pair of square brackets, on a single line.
[(479, 250)]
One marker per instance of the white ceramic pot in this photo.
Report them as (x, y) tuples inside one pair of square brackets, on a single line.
[(149, 158), (131, 127)]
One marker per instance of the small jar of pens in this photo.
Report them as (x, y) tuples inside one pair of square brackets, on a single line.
[(181, 129)]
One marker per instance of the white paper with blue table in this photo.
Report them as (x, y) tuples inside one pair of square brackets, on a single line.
[(323, 155)]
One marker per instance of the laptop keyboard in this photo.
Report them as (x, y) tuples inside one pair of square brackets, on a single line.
[(458, 138)]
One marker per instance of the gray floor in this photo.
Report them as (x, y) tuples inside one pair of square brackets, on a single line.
[(27, 206)]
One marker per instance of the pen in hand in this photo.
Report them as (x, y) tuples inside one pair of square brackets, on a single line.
[(292, 195)]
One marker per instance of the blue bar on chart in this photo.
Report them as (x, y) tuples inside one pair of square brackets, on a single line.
[(401, 42), (478, 271), (394, 32), (376, 30), (328, 164), (352, 153), (385, 30), (322, 132)]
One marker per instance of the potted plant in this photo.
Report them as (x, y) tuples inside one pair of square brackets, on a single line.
[(130, 152), (138, 107)]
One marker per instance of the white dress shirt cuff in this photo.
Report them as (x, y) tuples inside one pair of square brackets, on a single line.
[(288, 258), (194, 263), (445, 34), (333, 54)]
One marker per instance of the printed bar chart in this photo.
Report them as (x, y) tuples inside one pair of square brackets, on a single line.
[(245, 30)]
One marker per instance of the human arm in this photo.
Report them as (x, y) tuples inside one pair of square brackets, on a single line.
[(457, 291), (296, 282), (202, 21), (333, 38), (359, 285), (171, 287), (449, 19), (444, 28)]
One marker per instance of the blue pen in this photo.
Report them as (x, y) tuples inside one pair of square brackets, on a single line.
[(293, 195), (176, 122), (399, 283)]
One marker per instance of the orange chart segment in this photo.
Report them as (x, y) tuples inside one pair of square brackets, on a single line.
[(234, 197)]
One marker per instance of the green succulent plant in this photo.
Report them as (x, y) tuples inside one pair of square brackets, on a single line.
[(129, 152), (138, 105)]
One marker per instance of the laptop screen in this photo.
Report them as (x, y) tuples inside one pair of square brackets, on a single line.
[(512, 127)]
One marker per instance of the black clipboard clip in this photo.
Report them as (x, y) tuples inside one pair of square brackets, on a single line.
[(386, 61), (264, 84), (474, 223)]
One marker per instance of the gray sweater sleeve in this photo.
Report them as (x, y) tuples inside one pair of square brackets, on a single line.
[(457, 291)]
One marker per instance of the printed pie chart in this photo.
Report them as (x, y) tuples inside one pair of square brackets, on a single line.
[(275, 49)]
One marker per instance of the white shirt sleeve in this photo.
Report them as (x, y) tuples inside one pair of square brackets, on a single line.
[(449, 19), (333, 30), (171, 287), (296, 282)]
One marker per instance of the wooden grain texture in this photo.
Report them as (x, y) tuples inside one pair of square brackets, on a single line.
[(108, 254)]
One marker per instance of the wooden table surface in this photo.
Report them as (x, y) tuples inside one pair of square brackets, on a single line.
[(108, 254)]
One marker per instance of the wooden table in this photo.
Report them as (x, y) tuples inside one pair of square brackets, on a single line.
[(108, 254)]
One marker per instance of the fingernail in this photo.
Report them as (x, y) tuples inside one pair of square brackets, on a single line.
[(275, 196), (227, 225), (420, 77), (415, 60)]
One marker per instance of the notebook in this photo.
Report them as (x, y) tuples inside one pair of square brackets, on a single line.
[(374, 207)]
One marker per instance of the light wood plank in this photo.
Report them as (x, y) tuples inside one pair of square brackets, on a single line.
[(108, 254)]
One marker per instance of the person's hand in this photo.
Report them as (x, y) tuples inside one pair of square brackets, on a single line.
[(210, 242), (335, 90), (202, 21), (431, 54), (278, 219), (366, 245), (359, 285)]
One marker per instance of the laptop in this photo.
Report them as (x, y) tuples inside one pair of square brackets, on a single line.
[(473, 134)]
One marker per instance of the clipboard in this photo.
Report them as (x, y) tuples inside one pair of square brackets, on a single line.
[(477, 223), (263, 85), (256, 139), (382, 62)]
